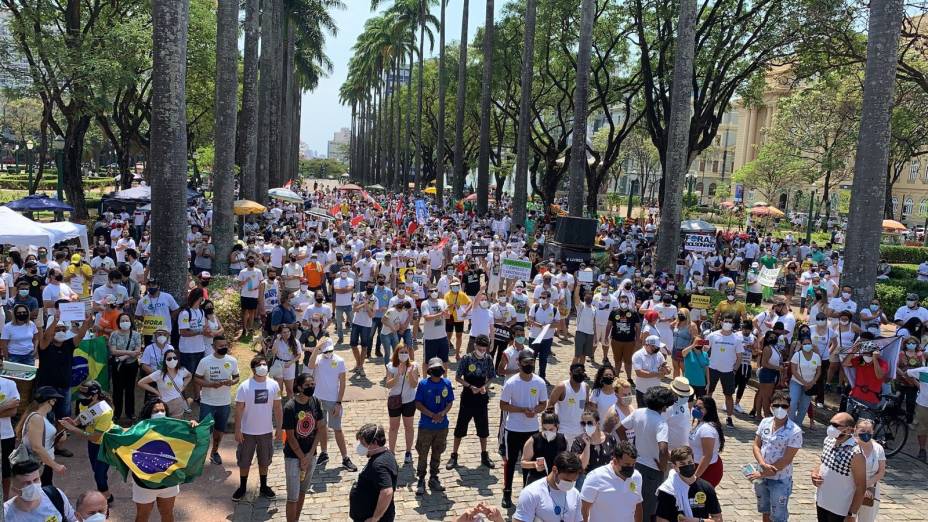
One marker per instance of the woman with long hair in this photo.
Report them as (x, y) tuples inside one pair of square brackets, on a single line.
[(286, 351), (125, 347), (168, 384), (90, 397), (707, 440), (594, 446), (875, 457), (684, 333), (212, 327), (20, 337), (38, 433), (768, 373), (603, 394), (402, 380)]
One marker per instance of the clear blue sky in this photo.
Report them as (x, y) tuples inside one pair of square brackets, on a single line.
[(322, 114)]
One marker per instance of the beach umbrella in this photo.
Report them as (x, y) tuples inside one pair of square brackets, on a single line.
[(283, 194), (891, 225), (245, 207), (767, 212), (349, 187), (39, 203)]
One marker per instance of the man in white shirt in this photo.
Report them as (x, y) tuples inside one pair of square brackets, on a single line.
[(604, 304), (249, 283), (912, 308), (292, 273), (648, 365), (922, 273), (586, 330), (651, 436), (435, 312), (523, 397), (101, 265), (344, 289), (216, 374), (543, 317), (257, 411), (836, 305), (725, 352), (613, 492), (554, 498), (330, 375)]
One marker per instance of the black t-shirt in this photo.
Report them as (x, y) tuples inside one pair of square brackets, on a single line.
[(623, 324), (702, 498), (380, 473), (302, 419), (471, 282), (55, 364), (36, 283), (541, 448)]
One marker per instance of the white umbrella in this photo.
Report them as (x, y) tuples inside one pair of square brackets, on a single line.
[(285, 195)]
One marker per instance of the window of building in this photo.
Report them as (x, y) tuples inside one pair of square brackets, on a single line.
[(907, 208), (913, 170), (923, 208), (699, 187), (712, 188), (715, 166), (895, 205), (702, 164)]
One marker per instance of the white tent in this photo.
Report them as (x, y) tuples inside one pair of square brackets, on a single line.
[(65, 230), (20, 231)]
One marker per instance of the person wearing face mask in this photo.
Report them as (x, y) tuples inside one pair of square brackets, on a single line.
[(725, 354), (20, 337), (475, 371), (434, 398), (806, 366), (913, 357), (249, 286), (125, 346), (911, 308), (371, 496), (92, 398), (604, 304), (508, 362), (730, 307), (684, 496), (402, 380), (594, 446), (776, 442), (169, 384), (540, 450), (707, 440), (871, 371), (56, 358), (435, 312), (649, 366), (21, 296), (842, 303), (153, 355), (825, 342), (36, 430), (841, 478), (303, 419), (519, 301), (330, 374), (872, 316), (523, 397), (91, 506), (875, 458), (383, 295), (569, 399), (543, 317), (613, 491), (623, 331), (32, 502), (56, 290), (459, 305), (216, 374), (651, 442), (257, 411), (344, 289)]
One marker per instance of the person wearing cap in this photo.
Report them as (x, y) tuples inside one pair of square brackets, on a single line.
[(523, 397), (648, 365), (30, 275), (911, 308), (871, 371), (37, 432), (475, 371), (754, 288), (434, 398), (89, 398), (158, 303), (330, 374), (458, 303)]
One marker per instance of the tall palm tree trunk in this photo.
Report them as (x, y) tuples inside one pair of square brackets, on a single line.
[(286, 99), (397, 128), (419, 159), (353, 138), (169, 144), (442, 88), (523, 149), (224, 145), (459, 106), (864, 225), (483, 163), (409, 159), (250, 100), (581, 100), (668, 239), (262, 177), (296, 95), (274, 105)]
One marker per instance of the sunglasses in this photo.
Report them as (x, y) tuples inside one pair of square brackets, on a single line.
[(780, 405), (171, 359), (587, 423), (836, 425)]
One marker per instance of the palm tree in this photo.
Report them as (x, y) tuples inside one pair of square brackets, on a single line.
[(459, 105), (520, 198), (864, 222), (483, 163), (168, 153), (262, 177), (275, 42), (224, 146), (668, 239), (439, 142), (581, 98), (250, 100)]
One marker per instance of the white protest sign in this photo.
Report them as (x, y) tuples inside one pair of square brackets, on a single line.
[(516, 269), (768, 277), (699, 243), (585, 276), (75, 311), (541, 334)]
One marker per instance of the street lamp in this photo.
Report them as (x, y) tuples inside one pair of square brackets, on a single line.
[(16, 156), (29, 146), (690, 180)]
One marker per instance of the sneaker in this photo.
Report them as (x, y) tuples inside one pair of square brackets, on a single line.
[(408, 459), (486, 461), (239, 493), (729, 423), (739, 409), (267, 492), (922, 456), (452, 462), (63, 452), (322, 459), (215, 458), (347, 464), (420, 487), (507, 500), (435, 484)]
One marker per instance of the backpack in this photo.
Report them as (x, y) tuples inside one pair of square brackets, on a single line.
[(54, 495)]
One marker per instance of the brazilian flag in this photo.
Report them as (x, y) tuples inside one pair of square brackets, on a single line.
[(160, 453), (91, 361)]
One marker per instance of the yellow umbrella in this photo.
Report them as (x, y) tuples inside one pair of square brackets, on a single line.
[(430, 190), (246, 207), (891, 225)]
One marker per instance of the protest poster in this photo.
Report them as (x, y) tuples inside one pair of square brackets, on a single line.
[(75, 312), (516, 269), (699, 301), (699, 243), (768, 277), (479, 250), (151, 323)]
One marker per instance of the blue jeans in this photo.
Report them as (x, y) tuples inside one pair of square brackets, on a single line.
[(543, 350), (28, 358), (798, 402), (406, 337), (62, 407), (389, 342), (375, 331), (340, 312), (773, 497), (99, 467)]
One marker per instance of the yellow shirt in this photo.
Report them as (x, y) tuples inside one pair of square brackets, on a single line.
[(725, 307), (454, 301), (84, 277)]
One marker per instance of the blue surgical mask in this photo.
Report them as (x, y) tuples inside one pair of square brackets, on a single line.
[(698, 413)]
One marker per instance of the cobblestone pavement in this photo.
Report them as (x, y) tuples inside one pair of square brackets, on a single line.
[(904, 493)]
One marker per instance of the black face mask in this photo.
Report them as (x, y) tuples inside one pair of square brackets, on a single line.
[(59, 277), (627, 471), (318, 300), (528, 368), (22, 317), (577, 377), (688, 470), (152, 291), (207, 311), (369, 290), (608, 380), (222, 351), (437, 372), (85, 402), (309, 391)]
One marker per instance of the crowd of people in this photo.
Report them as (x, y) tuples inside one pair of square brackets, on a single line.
[(634, 433)]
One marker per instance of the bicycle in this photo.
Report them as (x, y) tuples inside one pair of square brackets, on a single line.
[(890, 428)]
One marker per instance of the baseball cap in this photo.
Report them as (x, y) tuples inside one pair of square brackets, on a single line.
[(435, 362), (88, 389), (76, 258), (526, 355), (46, 393), (205, 275), (653, 340)]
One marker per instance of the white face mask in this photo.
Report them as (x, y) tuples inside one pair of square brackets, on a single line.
[(846, 295), (361, 449), (565, 485), (161, 339), (868, 358), (549, 435), (261, 370), (171, 364), (62, 336), (433, 295), (96, 517), (730, 297), (484, 304), (589, 429), (726, 327), (403, 357), (125, 325), (833, 432), (821, 323), (31, 492), (779, 413), (159, 415)]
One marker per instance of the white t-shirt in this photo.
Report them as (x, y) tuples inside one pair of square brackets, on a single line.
[(327, 374), (161, 306), (704, 431), (277, 256), (642, 360), (343, 299), (8, 393), (650, 430), (361, 316), (543, 316), (604, 305), (251, 282), (922, 375), (403, 386), (480, 322), (613, 497), (213, 369), (258, 398), (806, 367), (539, 503), (101, 267), (57, 292), (191, 319), (723, 350), (290, 270), (168, 388), (523, 394), (45, 512), (20, 338), (433, 329)]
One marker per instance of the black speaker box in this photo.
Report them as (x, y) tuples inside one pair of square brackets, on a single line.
[(570, 255), (575, 231)]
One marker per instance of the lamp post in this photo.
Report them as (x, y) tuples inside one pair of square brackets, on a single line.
[(690, 180), (809, 219), (631, 192), (58, 146), (16, 156), (29, 146)]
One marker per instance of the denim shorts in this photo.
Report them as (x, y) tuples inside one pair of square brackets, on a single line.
[(361, 335), (220, 415), (767, 376), (773, 497)]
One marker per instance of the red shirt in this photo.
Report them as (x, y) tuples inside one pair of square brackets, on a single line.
[(867, 386)]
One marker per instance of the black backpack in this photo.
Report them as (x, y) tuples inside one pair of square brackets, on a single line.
[(54, 495)]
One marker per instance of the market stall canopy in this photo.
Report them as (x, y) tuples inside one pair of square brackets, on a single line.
[(65, 230), (348, 187), (697, 225), (767, 212), (891, 225), (143, 193), (376, 187), (39, 203), (245, 207), (727, 204), (283, 194), (18, 230)]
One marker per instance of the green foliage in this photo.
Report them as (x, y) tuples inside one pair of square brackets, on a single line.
[(321, 168), (227, 304), (49, 183), (773, 172), (894, 254)]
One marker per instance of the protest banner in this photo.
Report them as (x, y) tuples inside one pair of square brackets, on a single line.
[(516, 269), (699, 243)]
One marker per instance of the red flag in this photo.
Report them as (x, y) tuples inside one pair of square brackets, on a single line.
[(335, 211), (355, 221), (443, 242), (411, 229), (288, 183)]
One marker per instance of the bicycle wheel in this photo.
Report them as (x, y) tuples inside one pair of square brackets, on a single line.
[(892, 434)]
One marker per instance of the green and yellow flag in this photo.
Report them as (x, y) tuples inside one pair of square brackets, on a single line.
[(91, 361), (160, 453)]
